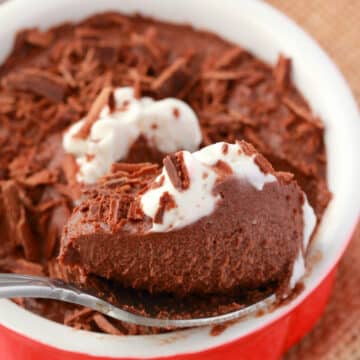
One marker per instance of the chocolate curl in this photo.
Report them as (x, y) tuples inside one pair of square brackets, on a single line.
[(40, 82)]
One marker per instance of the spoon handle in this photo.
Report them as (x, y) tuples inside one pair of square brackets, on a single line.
[(13, 285)]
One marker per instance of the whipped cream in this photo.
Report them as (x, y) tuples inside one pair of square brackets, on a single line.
[(169, 125), (198, 199), (298, 270), (309, 226)]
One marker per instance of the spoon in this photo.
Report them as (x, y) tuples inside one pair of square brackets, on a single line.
[(13, 285)]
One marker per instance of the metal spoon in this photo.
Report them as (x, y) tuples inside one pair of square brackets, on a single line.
[(12, 285)]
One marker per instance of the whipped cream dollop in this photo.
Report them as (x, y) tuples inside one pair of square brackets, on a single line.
[(168, 125), (195, 198), (299, 268)]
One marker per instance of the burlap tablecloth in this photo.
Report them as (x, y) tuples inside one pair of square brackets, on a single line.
[(335, 24)]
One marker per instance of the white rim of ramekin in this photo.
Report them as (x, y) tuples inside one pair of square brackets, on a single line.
[(264, 31)]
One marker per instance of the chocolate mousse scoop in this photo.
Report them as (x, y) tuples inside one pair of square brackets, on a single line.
[(217, 221)]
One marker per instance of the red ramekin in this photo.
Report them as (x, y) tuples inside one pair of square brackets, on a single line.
[(266, 32)]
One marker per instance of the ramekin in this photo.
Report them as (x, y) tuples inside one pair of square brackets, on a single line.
[(266, 32)]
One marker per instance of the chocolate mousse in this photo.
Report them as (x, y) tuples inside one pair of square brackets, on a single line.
[(55, 79), (214, 229)]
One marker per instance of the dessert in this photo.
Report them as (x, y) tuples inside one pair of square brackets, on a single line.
[(217, 221), (52, 80)]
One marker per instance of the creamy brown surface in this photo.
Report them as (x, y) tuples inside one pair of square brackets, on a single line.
[(250, 241), (50, 81)]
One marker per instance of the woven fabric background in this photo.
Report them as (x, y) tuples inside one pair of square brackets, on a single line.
[(335, 24)]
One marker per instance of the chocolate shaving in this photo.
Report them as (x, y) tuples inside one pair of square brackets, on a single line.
[(246, 147), (282, 73), (228, 75), (39, 38), (47, 205), (41, 82), (131, 168), (106, 55), (229, 57), (70, 168), (42, 177), (105, 325), (21, 266), (135, 211), (173, 79), (263, 164), (177, 171), (94, 112), (77, 315), (285, 176), (166, 203), (18, 225), (301, 111), (114, 215)]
